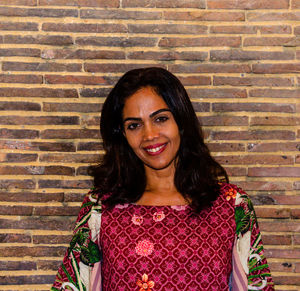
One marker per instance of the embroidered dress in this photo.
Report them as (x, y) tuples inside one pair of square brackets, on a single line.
[(134, 247)]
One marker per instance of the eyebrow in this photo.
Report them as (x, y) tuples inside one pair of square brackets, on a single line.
[(151, 115)]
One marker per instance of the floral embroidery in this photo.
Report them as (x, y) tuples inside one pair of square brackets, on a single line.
[(137, 220), (231, 193), (145, 284), (179, 207), (144, 248), (122, 206), (158, 216)]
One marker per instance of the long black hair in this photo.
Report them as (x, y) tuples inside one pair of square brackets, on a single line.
[(121, 173)]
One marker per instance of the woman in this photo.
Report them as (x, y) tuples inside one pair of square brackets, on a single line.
[(162, 215)]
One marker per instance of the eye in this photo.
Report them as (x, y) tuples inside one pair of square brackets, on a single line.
[(162, 118), (132, 126)]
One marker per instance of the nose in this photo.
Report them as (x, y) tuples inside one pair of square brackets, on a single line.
[(150, 132)]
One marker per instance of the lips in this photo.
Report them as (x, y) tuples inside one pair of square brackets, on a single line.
[(155, 149)]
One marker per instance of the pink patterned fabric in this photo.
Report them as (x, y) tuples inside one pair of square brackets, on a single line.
[(167, 248)]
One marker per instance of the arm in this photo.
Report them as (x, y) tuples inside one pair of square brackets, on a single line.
[(81, 268), (250, 267)]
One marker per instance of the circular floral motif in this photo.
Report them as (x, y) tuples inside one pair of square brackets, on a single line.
[(158, 216), (122, 206), (145, 284), (144, 248), (137, 220)]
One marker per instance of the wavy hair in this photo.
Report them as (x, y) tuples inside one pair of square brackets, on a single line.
[(121, 173)]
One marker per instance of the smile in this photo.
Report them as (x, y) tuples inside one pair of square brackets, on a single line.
[(156, 149)]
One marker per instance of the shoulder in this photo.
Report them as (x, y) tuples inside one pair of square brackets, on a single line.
[(235, 193)]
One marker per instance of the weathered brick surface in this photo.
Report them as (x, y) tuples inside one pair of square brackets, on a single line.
[(239, 61)]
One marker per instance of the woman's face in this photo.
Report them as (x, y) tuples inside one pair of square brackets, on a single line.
[(150, 129)]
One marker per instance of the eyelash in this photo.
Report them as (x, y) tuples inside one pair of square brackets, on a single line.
[(160, 119)]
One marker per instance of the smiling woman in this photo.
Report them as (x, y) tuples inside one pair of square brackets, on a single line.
[(162, 215)]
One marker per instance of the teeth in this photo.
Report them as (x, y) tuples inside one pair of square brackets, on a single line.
[(154, 150)]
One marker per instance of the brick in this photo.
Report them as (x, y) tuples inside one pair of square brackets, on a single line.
[(56, 40), (69, 158), (163, 55), (95, 92), (273, 147), (275, 29), (273, 212), (18, 133), (19, 26), (287, 280), (226, 147), (82, 3), (89, 146), (209, 68), (167, 28), (48, 265), (281, 267), (81, 54), (285, 199), (39, 120), (236, 171), (270, 239), (19, 2), (253, 107), (31, 197), (51, 239), (65, 184), (113, 68), (296, 186), (264, 186), (268, 41), (84, 80), (37, 12), (273, 16), (164, 3), (297, 159), (27, 79), (38, 92), (37, 170), (296, 239), (295, 213), (253, 134), (85, 27), (224, 120), (217, 93), (38, 146), (25, 280), (52, 210), (20, 106), (120, 14), (230, 29), (255, 159), (275, 93), (247, 4), (204, 16), (195, 80), (82, 171), (238, 54), (15, 210), (40, 67), (201, 106), (200, 42), (17, 265), (283, 253), (18, 158), (276, 68), (36, 251), (295, 4), (90, 120), (252, 81), (14, 237), (21, 52), (272, 120), (116, 41), (70, 133), (45, 223), (74, 197), (17, 184)]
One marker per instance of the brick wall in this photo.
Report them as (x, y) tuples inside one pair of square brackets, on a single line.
[(239, 61)]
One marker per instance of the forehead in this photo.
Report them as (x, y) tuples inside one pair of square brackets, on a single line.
[(144, 101)]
